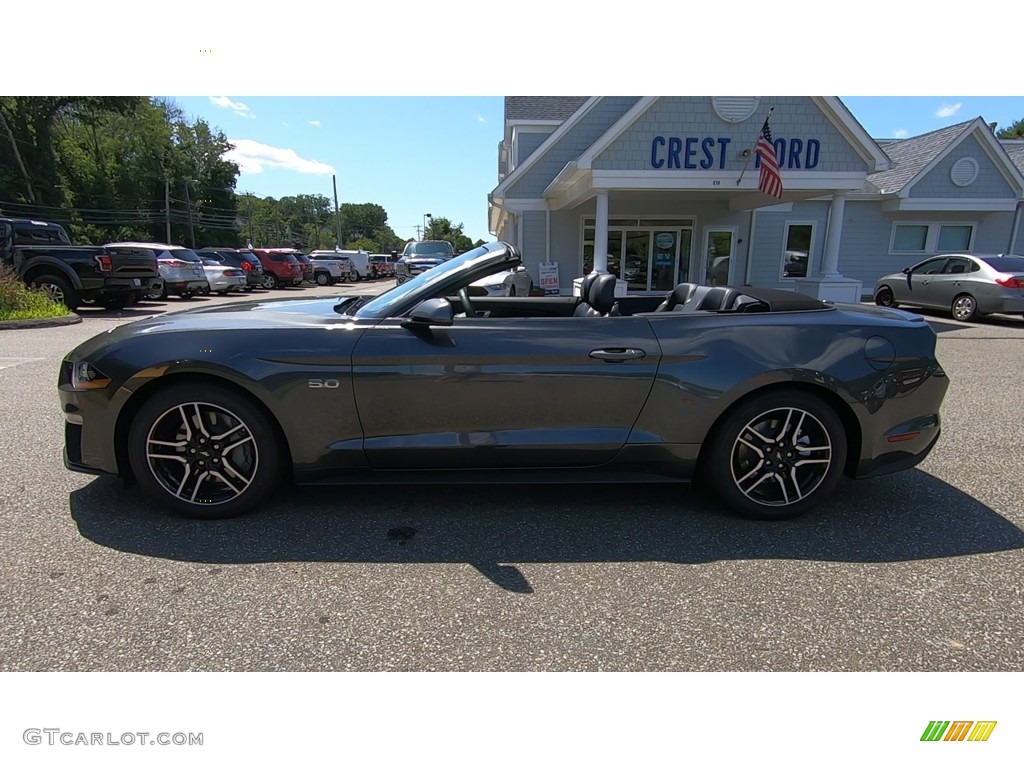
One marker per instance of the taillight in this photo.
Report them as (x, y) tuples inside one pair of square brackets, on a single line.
[(246, 266), (176, 263), (1010, 282), (105, 263)]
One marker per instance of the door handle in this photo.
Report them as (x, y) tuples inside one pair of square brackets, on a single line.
[(617, 355)]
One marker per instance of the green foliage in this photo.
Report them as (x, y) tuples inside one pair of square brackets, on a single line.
[(364, 244), (107, 167), (1013, 131), (18, 302), (442, 229)]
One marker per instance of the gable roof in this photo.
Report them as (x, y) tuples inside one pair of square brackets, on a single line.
[(1015, 149), (542, 107), (913, 155)]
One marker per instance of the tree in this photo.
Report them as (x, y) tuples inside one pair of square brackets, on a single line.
[(442, 229), (1014, 131)]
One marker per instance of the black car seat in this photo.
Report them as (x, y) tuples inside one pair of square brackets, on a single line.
[(746, 304), (680, 295), (710, 299), (583, 307), (602, 295)]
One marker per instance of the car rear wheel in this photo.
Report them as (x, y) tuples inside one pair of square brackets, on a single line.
[(59, 290), (269, 281), (204, 452), (884, 297), (322, 278), (777, 455), (965, 307)]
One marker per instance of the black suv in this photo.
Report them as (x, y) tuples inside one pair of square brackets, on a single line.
[(247, 261), (421, 255)]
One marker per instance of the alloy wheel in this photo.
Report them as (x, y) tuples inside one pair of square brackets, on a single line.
[(964, 307), (202, 453), (781, 456)]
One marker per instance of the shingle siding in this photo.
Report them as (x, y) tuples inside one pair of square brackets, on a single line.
[(769, 242), (794, 117), (990, 183), (570, 146), (535, 239), (527, 143)]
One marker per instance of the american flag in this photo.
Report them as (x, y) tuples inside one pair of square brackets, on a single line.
[(771, 181)]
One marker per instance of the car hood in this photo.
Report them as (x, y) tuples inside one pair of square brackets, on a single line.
[(255, 315), (423, 260)]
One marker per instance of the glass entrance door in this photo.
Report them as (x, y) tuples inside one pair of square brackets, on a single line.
[(636, 262), (665, 260)]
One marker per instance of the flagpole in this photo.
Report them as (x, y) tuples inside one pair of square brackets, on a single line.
[(747, 164)]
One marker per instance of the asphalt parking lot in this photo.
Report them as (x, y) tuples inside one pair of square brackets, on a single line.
[(916, 571)]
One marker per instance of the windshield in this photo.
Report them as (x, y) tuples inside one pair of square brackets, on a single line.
[(386, 304), (428, 249), (1006, 263)]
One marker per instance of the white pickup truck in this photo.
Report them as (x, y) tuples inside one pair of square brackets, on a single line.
[(330, 267)]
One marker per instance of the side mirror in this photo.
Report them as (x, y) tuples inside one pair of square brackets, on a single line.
[(906, 270), (431, 312)]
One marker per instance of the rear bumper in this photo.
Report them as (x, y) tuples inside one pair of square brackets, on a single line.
[(1004, 305), (899, 460), (186, 286)]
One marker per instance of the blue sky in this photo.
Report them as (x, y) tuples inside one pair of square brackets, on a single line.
[(438, 155)]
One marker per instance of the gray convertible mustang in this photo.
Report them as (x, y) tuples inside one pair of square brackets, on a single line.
[(768, 395)]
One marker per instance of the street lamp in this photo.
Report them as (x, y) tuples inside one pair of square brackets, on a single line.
[(425, 217)]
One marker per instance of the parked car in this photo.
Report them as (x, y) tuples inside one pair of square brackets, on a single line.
[(223, 278), (41, 254), (181, 269), (966, 285), (381, 265), (330, 267), (753, 389), (421, 255), (360, 261), (245, 260), (280, 268), (307, 265)]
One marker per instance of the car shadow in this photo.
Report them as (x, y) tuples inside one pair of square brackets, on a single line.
[(134, 311), (909, 516)]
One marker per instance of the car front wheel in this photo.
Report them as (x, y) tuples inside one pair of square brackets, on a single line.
[(203, 451), (777, 455), (269, 281)]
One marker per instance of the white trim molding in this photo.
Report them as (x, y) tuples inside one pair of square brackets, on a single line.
[(949, 205)]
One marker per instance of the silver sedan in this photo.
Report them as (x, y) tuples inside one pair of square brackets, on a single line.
[(965, 285)]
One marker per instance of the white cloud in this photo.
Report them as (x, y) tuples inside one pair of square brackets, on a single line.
[(481, 119), (252, 157), (948, 110), (900, 133), (314, 123), (235, 106)]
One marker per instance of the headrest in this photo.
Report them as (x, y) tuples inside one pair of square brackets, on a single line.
[(588, 281), (602, 294), (681, 294)]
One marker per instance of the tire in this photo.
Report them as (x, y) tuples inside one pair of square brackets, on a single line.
[(58, 289), (249, 470), (884, 297), (269, 281), (964, 308), (745, 476), (322, 278)]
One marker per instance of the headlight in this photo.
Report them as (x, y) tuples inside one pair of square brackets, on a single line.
[(86, 376)]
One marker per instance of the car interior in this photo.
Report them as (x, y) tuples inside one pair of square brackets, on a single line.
[(598, 299)]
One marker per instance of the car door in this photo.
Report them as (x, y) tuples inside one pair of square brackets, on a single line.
[(502, 392), (944, 287), (920, 285)]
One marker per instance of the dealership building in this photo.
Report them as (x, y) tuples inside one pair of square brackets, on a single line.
[(665, 189)]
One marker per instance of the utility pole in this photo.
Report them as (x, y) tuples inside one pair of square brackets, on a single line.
[(417, 228), (167, 207), (337, 210), (248, 197), (188, 204)]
